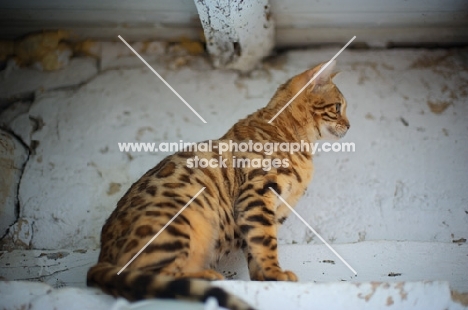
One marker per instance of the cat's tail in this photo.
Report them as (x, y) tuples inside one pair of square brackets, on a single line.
[(138, 284)]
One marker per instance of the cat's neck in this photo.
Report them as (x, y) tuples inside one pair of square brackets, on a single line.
[(295, 119), (285, 127), (292, 123)]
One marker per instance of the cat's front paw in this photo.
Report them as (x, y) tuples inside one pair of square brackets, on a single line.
[(280, 275)]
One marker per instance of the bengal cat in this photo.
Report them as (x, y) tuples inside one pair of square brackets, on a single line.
[(235, 210)]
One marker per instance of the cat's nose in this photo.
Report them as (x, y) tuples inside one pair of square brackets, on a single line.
[(347, 125)]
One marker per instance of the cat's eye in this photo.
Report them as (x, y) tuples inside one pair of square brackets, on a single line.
[(338, 107)]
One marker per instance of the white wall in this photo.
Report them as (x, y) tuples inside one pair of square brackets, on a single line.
[(299, 22), (372, 21)]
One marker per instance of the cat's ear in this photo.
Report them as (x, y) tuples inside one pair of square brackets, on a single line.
[(325, 76)]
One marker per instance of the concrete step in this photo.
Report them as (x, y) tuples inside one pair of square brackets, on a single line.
[(381, 261)]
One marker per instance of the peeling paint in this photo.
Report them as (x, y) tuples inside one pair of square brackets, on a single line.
[(389, 301), (113, 188), (238, 34), (401, 287)]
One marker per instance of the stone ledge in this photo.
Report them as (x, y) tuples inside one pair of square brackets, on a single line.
[(381, 261), (261, 295)]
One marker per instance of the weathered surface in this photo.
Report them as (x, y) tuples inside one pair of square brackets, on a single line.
[(238, 33), (65, 188), (261, 295), (379, 284), (16, 119), (57, 268), (382, 261), (407, 110), (19, 235), (12, 158), (18, 82), (14, 110), (37, 296), (118, 55)]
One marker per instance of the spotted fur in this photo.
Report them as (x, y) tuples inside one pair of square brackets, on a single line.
[(237, 209)]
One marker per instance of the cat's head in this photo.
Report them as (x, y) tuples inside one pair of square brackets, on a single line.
[(321, 106)]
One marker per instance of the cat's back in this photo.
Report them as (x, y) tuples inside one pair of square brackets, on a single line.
[(153, 200)]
